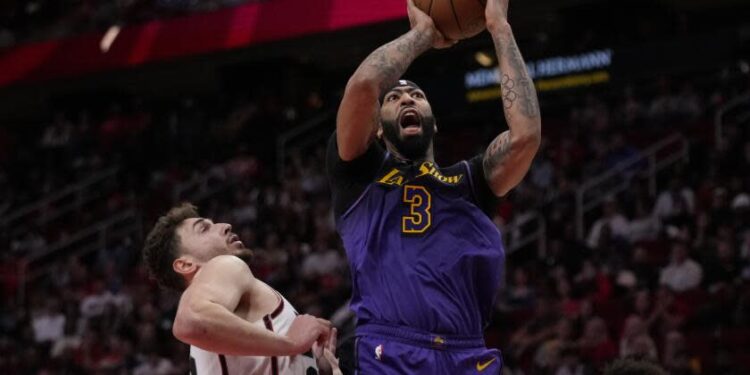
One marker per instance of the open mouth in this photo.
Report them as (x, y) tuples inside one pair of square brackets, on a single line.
[(410, 118), (233, 238)]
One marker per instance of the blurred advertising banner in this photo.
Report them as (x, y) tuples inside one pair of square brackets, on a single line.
[(605, 65), (195, 34)]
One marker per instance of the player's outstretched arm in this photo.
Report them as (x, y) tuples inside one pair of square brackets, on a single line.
[(509, 156), (359, 112), (205, 316)]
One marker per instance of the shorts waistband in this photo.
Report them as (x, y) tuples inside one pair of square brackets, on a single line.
[(421, 338)]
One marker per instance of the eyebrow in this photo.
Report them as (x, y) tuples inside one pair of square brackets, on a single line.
[(402, 90), (195, 223)]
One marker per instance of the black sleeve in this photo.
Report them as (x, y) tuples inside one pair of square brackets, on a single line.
[(483, 195), (349, 179)]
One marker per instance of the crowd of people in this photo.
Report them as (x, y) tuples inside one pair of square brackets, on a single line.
[(663, 276)]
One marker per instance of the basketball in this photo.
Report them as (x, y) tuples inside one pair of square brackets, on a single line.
[(455, 19)]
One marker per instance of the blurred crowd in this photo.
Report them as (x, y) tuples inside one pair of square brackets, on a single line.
[(662, 275)]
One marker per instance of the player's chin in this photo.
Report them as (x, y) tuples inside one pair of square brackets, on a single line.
[(243, 253), (412, 132)]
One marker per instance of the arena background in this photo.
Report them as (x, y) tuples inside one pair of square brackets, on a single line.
[(630, 236)]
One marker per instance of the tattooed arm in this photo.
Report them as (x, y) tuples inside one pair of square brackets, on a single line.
[(509, 156), (359, 112)]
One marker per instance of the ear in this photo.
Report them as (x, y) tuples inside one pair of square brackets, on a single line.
[(184, 266)]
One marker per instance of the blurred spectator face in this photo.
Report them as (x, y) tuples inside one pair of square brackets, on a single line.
[(641, 346), (563, 288), (587, 308), (564, 329), (272, 241), (633, 326), (674, 342), (642, 302), (610, 208), (201, 240), (595, 330), (640, 255), (519, 277), (679, 252), (724, 250)]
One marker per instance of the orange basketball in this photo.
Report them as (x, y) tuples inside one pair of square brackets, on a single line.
[(455, 19)]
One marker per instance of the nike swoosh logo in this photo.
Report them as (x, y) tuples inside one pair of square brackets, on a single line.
[(482, 366)]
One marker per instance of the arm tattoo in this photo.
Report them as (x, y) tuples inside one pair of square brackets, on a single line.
[(521, 88), (391, 60), (496, 153), (508, 158)]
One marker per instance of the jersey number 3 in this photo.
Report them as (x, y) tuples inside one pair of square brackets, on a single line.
[(419, 217)]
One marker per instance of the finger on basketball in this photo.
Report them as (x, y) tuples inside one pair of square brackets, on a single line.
[(332, 340)]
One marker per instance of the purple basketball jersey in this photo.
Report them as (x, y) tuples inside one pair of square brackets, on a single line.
[(422, 251)]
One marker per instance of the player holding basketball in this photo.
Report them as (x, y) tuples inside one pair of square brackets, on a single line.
[(425, 257), (234, 323)]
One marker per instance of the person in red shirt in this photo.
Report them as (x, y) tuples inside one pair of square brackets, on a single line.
[(596, 346)]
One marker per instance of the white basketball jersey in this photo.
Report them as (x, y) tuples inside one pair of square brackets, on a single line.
[(207, 363)]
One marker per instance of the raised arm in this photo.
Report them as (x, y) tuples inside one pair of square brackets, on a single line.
[(205, 316), (359, 112), (509, 156)]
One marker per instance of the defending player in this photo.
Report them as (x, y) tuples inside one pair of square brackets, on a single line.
[(234, 323), (425, 257)]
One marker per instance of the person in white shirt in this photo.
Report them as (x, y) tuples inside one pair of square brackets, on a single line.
[(234, 323), (48, 323), (676, 201), (644, 226), (611, 217), (682, 273)]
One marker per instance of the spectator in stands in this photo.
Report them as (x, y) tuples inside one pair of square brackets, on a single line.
[(676, 358), (688, 105), (525, 339), (646, 274), (635, 340), (542, 172), (153, 364), (569, 305), (722, 268), (682, 273), (572, 363), (519, 295), (644, 226), (48, 321), (674, 205), (634, 367), (549, 354), (611, 218), (595, 344)]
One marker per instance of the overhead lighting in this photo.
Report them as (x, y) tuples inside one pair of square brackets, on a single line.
[(109, 38), (484, 59)]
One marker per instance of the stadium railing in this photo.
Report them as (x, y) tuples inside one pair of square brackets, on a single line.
[(736, 111), (100, 236), (646, 164), (60, 202)]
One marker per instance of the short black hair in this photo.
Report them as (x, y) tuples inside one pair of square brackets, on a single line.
[(163, 244), (399, 83), (634, 366)]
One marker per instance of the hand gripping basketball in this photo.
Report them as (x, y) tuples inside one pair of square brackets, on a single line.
[(496, 14), (421, 21)]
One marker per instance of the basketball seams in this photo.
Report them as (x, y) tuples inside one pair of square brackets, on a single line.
[(464, 19), (455, 16)]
